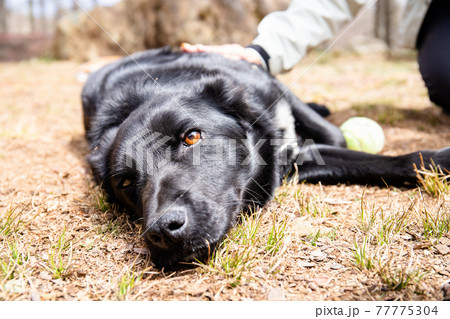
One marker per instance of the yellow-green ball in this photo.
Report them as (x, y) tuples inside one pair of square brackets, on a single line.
[(363, 134)]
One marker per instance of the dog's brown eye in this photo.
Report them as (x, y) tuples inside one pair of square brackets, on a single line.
[(125, 183), (192, 137)]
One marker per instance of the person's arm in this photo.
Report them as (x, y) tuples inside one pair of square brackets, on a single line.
[(286, 36)]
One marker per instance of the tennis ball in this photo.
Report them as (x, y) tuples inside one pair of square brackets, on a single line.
[(363, 134)]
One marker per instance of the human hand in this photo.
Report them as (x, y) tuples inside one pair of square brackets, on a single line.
[(230, 51)]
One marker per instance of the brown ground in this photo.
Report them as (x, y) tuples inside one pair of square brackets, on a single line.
[(63, 246)]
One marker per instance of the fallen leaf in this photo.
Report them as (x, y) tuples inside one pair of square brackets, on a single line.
[(306, 264)]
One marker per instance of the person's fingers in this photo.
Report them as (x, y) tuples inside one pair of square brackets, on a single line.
[(225, 48), (210, 48), (231, 51), (235, 49), (186, 47), (232, 56)]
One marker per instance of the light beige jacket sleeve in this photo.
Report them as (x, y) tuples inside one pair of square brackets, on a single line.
[(288, 35)]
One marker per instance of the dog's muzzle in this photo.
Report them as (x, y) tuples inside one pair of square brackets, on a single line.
[(169, 229)]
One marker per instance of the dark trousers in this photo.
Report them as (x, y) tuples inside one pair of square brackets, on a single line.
[(433, 44)]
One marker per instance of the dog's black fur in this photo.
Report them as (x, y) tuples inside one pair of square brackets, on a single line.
[(252, 132)]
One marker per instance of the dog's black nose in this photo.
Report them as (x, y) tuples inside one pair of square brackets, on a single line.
[(168, 229)]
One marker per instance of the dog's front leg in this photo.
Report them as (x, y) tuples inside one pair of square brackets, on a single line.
[(334, 165)]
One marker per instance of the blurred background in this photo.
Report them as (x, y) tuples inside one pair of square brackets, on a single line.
[(27, 27), (85, 29)]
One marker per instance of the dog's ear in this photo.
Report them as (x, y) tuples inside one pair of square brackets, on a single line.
[(230, 98), (98, 158)]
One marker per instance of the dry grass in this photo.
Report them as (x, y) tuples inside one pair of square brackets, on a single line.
[(60, 240)]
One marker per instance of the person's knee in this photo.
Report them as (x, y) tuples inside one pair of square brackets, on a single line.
[(433, 45), (438, 84), (437, 79)]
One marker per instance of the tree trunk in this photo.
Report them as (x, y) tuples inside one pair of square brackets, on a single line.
[(43, 16), (58, 12), (31, 16), (383, 21), (3, 17)]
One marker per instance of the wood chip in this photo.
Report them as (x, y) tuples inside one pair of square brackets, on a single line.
[(414, 235), (313, 286), (306, 264), (303, 227), (422, 246), (276, 293), (45, 275), (336, 266), (72, 290), (141, 251), (446, 291), (443, 272), (322, 281), (406, 237), (198, 290), (442, 249), (335, 201), (318, 255), (58, 282), (34, 295)]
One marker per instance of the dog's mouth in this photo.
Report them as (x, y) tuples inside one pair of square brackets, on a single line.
[(181, 256), (182, 236)]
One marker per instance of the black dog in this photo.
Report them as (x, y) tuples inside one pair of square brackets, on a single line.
[(187, 141)]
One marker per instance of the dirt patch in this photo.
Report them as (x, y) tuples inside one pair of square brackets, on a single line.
[(59, 240)]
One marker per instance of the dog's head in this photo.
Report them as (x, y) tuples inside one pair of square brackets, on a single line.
[(187, 164)]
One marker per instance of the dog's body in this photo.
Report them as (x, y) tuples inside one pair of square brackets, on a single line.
[(186, 141)]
